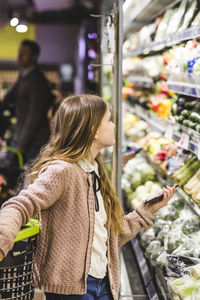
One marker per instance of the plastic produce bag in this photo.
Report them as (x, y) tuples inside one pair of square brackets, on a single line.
[(147, 237), (195, 271), (191, 224), (153, 250), (169, 213), (188, 248), (176, 239), (184, 287), (162, 259), (159, 224)]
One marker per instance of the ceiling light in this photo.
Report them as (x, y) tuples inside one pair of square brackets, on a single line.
[(22, 28), (14, 22)]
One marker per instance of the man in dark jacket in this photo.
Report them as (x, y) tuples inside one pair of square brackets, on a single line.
[(31, 97)]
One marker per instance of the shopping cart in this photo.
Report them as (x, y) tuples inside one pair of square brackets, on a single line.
[(16, 270)]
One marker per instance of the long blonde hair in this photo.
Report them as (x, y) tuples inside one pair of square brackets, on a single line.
[(76, 123)]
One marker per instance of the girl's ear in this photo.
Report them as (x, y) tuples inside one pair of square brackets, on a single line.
[(96, 136)]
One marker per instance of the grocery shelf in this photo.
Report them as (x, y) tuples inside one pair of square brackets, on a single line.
[(149, 117), (184, 88), (164, 179), (187, 138), (166, 43), (143, 13), (141, 81)]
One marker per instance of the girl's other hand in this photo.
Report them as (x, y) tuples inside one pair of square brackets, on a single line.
[(168, 192), (126, 157)]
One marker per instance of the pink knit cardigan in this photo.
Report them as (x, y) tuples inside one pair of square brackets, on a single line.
[(63, 196)]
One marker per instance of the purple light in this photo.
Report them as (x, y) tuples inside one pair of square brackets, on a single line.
[(82, 48), (92, 54), (92, 35), (90, 75)]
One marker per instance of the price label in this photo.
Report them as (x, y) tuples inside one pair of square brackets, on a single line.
[(169, 132), (184, 140)]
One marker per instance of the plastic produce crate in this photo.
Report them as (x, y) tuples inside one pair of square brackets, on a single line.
[(16, 269)]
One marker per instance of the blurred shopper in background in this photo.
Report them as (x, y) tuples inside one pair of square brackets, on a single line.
[(31, 98)]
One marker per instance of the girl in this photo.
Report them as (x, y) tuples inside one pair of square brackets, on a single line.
[(82, 222)]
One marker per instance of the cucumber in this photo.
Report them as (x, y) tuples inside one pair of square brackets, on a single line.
[(192, 124), (197, 106), (195, 117), (179, 118), (185, 113), (190, 104), (176, 118), (197, 127), (186, 123)]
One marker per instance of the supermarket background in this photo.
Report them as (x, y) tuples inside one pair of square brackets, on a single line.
[(143, 57)]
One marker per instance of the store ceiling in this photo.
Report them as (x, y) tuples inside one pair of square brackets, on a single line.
[(48, 11)]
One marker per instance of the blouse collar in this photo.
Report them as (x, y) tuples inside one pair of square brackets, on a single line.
[(87, 166)]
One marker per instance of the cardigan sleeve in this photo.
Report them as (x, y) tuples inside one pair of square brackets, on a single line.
[(134, 222), (15, 212)]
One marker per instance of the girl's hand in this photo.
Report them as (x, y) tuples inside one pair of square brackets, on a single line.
[(168, 192)]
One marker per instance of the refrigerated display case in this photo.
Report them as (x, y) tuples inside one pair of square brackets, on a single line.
[(159, 103), (161, 111)]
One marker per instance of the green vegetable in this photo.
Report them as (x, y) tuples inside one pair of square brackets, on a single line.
[(177, 203), (180, 118), (136, 180), (185, 113), (192, 124), (195, 117), (184, 286), (197, 128), (186, 123), (190, 225)]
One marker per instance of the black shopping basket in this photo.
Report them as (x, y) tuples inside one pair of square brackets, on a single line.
[(16, 270)]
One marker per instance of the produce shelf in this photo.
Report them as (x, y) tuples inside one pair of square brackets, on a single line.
[(146, 11), (141, 81), (184, 88), (189, 201), (164, 179), (166, 43), (187, 138)]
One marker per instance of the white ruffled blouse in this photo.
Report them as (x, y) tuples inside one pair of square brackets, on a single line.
[(99, 261)]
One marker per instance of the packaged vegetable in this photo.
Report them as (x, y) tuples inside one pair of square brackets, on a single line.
[(184, 287), (153, 250), (195, 271), (147, 237), (188, 15), (191, 224)]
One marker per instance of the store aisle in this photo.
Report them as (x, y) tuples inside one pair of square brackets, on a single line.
[(132, 286)]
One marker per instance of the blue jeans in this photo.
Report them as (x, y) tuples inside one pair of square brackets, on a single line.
[(96, 289)]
